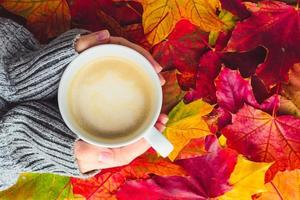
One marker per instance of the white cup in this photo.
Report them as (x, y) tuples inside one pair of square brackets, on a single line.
[(151, 134)]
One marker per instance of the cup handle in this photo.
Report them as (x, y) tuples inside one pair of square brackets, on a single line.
[(158, 142)]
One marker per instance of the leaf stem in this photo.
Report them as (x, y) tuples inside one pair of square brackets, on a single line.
[(133, 9), (280, 196), (91, 195), (206, 43), (66, 185)]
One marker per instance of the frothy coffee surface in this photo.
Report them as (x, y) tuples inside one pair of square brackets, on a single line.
[(110, 96)]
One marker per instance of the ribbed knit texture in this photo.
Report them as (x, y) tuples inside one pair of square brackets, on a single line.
[(33, 136)]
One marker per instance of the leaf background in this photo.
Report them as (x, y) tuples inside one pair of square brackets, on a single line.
[(211, 60)]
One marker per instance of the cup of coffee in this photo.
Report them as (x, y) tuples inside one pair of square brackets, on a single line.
[(111, 96)]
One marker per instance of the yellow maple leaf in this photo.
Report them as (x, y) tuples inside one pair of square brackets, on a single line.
[(203, 14), (186, 123), (46, 19), (285, 185), (247, 179), (160, 16)]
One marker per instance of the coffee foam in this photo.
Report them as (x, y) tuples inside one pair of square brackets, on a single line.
[(110, 97)]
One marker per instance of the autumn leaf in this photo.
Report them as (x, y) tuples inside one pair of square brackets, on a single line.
[(120, 18), (208, 70), (171, 90), (195, 148), (185, 40), (285, 186), (210, 64), (216, 167), (208, 178), (135, 34), (246, 179), (166, 188), (245, 62), (222, 117), (16, 18), (39, 186), (268, 21), (233, 91), (265, 138), (105, 184), (186, 123), (46, 19), (160, 17), (203, 14), (88, 14)]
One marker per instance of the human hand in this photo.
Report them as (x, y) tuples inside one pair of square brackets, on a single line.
[(103, 37), (90, 157)]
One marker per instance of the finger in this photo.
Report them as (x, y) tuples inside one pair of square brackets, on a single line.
[(162, 79), (91, 153), (102, 165), (89, 166), (132, 151), (93, 39), (163, 118), (160, 127), (141, 50)]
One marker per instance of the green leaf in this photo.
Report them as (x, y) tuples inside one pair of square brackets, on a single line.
[(229, 21), (186, 123), (39, 187)]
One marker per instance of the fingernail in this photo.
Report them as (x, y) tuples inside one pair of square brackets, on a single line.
[(105, 157), (162, 80), (164, 119), (103, 35), (160, 127), (159, 68)]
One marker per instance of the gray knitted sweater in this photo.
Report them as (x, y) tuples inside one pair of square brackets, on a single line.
[(33, 136)]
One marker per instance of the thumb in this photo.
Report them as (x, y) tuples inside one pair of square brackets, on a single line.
[(93, 39)]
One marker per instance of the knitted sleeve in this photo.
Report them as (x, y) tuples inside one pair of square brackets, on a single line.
[(33, 136)]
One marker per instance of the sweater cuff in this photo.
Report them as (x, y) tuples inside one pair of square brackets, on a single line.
[(34, 138), (36, 75)]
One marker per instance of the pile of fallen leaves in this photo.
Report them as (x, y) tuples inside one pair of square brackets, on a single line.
[(232, 96)]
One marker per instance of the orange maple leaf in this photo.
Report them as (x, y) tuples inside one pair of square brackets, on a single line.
[(45, 18)]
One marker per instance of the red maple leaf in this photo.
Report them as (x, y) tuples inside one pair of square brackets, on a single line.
[(185, 40), (265, 138), (233, 91), (275, 26), (208, 178), (120, 18), (208, 69), (211, 62), (182, 50)]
